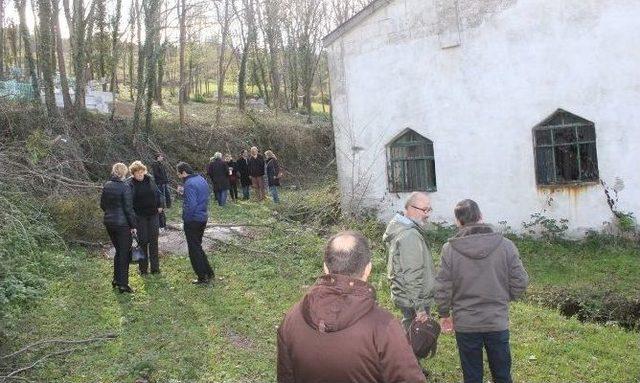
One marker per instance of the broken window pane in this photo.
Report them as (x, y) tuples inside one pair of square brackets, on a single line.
[(566, 158), (564, 135), (588, 162), (586, 133), (543, 137), (544, 166)]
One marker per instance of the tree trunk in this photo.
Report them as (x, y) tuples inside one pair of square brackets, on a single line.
[(101, 24), (44, 14), (161, 68), (137, 112), (115, 54), (152, 19), (1, 39), (224, 21), (64, 82), (182, 15), (274, 56), (26, 40)]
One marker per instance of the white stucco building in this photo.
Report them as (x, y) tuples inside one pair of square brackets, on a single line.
[(522, 105)]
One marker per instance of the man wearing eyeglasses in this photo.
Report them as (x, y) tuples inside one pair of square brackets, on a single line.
[(410, 265)]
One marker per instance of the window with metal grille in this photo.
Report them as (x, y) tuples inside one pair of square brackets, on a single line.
[(565, 150), (411, 164)]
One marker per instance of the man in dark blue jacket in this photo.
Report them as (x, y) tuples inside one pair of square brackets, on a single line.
[(194, 217)]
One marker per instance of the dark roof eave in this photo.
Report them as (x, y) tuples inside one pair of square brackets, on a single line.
[(354, 21)]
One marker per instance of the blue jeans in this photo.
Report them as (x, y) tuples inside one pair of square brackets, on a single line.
[(274, 193), (409, 314), (498, 353), (221, 197), (245, 192)]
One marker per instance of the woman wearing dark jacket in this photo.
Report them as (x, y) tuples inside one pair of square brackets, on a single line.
[(120, 221), (217, 171), (232, 175), (147, 204), (242, 165), (273, 174)]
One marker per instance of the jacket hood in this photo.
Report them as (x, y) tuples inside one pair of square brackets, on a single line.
[(397, 225), (476, 241), (337, 302)]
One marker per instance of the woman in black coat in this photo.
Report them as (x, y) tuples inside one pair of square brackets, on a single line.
[(242, 166), (217, 171), (232, 174), (148, 204), (120, 221)]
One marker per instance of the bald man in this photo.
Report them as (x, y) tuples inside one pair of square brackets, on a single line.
[(410, 265), (337, 332)]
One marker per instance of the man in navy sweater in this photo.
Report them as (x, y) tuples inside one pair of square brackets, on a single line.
[(194, 215)]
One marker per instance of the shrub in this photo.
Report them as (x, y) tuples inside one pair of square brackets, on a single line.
[(29, 250), (78, 217)]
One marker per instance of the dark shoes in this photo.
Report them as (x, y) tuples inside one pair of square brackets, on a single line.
[(199, 281)]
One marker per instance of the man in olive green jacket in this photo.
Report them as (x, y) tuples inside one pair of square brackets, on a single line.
[(410, 265)]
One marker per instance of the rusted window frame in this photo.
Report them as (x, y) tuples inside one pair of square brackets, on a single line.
[(424, 172), (583, 123)]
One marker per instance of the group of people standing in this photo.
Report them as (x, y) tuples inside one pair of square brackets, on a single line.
[(339, 323), (134, 207), (249, 169)]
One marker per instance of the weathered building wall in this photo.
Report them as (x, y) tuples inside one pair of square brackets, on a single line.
[(475, 79)]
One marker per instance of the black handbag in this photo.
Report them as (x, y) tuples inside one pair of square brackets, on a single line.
[(423, 337), (136, 252)]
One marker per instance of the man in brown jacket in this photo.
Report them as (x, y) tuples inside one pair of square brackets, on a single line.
[(480, 273), (337, 332)]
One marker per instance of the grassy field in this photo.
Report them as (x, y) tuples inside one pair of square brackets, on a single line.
[(172, 331)]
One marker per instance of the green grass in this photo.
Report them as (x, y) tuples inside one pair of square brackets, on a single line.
[(171, 330)]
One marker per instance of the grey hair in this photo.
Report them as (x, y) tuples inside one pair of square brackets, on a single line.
[(413, 197), (217, 155), (467, 212)]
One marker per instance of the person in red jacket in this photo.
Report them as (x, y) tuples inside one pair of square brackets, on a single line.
[(338, 333)]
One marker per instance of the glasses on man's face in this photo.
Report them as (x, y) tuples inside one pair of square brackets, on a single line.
[(424, 210)]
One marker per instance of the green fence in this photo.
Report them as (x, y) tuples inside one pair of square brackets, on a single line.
[(15, 90)]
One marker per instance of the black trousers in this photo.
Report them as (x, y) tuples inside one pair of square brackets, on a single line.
[(121, 239), (148, 229), (194, 232), (233, 191)]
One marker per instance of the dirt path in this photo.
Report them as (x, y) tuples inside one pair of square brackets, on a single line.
[(172, 241)]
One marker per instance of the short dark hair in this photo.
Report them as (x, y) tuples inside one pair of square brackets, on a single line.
[(350, 259), (184, 167), (467, 212)]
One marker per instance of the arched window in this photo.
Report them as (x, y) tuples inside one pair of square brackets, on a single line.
[(411, 164), (565, 150)]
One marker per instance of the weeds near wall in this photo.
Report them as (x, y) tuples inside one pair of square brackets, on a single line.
[(548, 228)]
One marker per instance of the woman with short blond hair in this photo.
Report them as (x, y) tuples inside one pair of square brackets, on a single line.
[(148, 204), (120, 221)]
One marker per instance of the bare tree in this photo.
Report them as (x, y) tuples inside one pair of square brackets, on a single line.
[(80, 26), (182, 19), (249, 36), (64, 82), (115, 39), (26, 40), (309, 16), (152, 29), (1, 38), (46, 59), (223, 12)]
